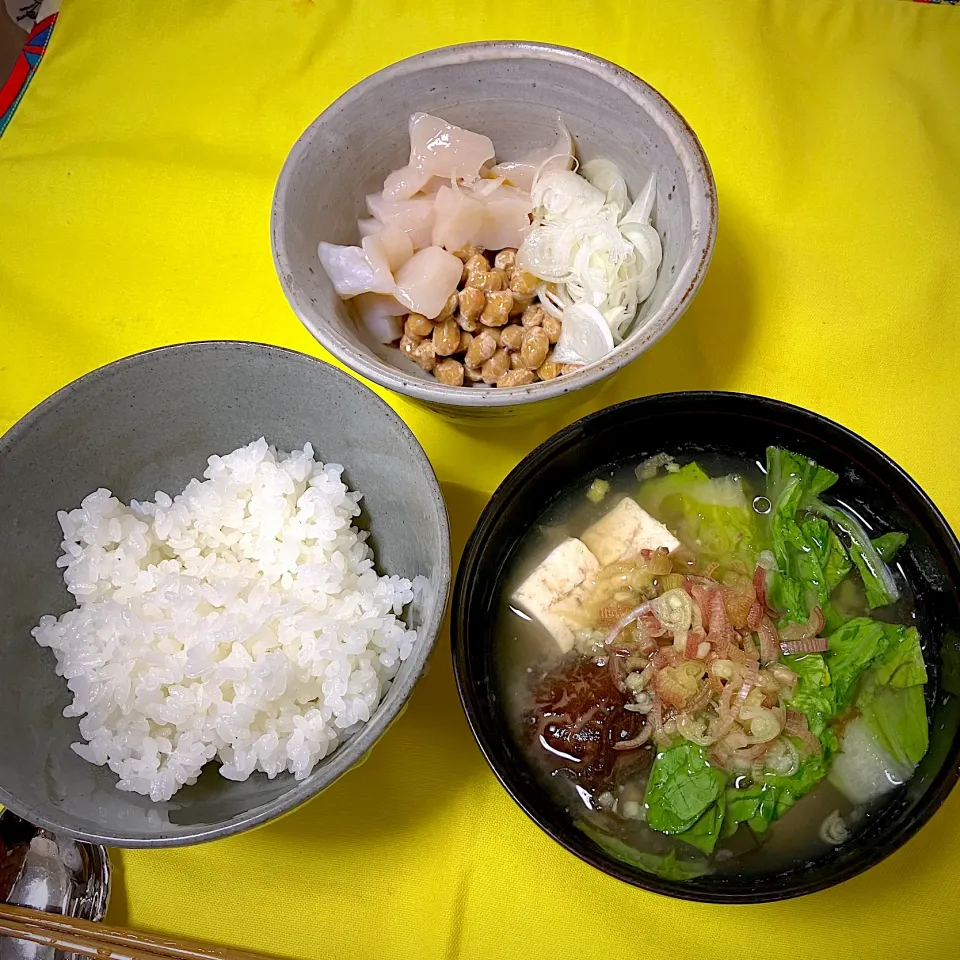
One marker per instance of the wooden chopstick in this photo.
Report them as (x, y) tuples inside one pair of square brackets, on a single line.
[(104, 942)]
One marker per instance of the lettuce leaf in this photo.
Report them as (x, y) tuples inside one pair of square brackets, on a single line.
[(837, 564), (682, 786), (878, 582), (665, 866), (811, 559), (812, 695), (799, 583), (793, 480), (891, 700), (881, 664), (854, 648), (710, 515), (902, 665), (760, 803), (787, 595), (802, 547), (705, 833), (753, 805), (888, 544), (898, 718)]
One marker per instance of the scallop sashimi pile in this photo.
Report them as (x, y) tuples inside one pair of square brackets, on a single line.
[(498, 273)]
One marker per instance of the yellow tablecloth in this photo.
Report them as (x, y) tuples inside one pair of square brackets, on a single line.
[(135, 186)]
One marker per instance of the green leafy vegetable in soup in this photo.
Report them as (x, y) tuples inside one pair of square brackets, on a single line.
[(897, 717), (666, 866), (711, 516), (861, 642), (682, 789), (888, 545), (691, 722), (769, 796), (812, 694)]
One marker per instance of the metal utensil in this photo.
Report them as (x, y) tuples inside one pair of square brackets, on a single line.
[(48, 872)]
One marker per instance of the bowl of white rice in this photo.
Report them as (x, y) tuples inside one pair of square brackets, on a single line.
[(226, 566)]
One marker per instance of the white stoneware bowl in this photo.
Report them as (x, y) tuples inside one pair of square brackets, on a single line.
[(513, 92)]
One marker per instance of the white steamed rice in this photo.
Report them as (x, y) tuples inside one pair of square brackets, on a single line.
[(242, 620)]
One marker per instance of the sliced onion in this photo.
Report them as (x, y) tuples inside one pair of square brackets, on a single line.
[(769, 651), (642, 208), (606, 176), (551, 301), (595, 252), (629, 618), (674, 609), (782, 758), (637, 741), (646, 241), (764, 724), (565, 195), (547, 253), (803, 631), (834, 830), (585, 337), (810, 645), (784, 675), (693, 729), (577, 244)]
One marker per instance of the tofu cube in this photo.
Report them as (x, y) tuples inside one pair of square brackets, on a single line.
[(555, 580), (625, 531)]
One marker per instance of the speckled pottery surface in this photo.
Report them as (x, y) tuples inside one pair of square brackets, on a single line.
[(513, 92), (147, 423)]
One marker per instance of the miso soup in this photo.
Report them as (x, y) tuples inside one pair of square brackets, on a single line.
[(711, 665)]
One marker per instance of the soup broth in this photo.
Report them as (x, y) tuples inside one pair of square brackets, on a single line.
[(710, 665)]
